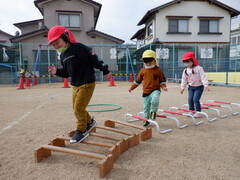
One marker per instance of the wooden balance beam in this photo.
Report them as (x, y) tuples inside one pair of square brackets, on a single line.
[(105, 165), (146, 133), (114, 148), (133, 139)]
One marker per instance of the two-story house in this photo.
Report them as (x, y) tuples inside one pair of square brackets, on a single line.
[(201, 26), (80, 16), (4, 38)]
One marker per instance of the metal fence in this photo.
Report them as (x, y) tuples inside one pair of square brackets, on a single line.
[(221, 62)]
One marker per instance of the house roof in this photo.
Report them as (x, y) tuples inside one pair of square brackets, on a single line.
[(138, 33), (149, 14), (27, 22), (99, 33), (6, 34), (97, 7), (28, 35)]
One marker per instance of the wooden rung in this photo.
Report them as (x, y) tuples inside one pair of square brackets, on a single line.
[(88, 142), (114, 130), (124, 142), (146, 133), (111, 123), (75, 152), (104, 136)]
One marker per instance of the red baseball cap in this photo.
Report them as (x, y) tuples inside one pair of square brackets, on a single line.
[(190, 55), (56, 31)]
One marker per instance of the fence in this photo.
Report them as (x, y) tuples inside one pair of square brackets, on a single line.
[(221, 62)]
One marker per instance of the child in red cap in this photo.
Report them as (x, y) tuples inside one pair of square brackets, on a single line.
[(78, 62), (193, 75)]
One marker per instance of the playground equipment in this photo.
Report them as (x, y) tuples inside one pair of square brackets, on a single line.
[(168, 117), (121, 144), (209, 108), (182, 114), (106, 110), (220, 102), (202, 113), (137, 118)]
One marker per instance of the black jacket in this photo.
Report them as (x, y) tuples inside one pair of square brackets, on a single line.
[(78, 63)]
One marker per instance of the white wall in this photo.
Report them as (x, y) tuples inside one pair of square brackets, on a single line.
[(51, 18), (195, 9)]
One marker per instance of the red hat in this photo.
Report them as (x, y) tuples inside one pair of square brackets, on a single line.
[(56, 31), (190, 55)]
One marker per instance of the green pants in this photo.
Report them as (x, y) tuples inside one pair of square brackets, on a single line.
[(151, 103), (81, 96)]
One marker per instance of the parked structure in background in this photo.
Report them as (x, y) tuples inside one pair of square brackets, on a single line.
[(183, 21), (5, 38), (199, 26), (80, 17)]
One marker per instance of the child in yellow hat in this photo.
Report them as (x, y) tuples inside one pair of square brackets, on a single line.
[(153, 82)]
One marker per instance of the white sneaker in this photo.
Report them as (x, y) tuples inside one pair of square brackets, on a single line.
[(191, 113), (196, 115)]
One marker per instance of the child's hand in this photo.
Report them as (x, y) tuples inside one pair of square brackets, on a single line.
[(130, 90), (108, 75), (52, 69), (207, 88), (165, 89), (182, 91)]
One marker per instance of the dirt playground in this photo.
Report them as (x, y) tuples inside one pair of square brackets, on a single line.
[(34, 116)]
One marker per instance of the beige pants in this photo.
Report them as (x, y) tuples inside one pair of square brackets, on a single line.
[(81, 96)]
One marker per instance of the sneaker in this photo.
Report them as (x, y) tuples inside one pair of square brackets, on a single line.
[(196, 115), (145, 123), (153, 115), (191, 113), (91, 125), (79, 136)]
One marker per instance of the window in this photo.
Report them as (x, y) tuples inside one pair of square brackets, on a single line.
[(238, 42), (234, 40), (150, 29), (178, 26), (70, 20), (209, 26)]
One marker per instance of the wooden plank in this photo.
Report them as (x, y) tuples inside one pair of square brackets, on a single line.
[(106, 165), (111, 123), (75, 152), (104, 136), (88, 142), (114, 130), (41, 153), (146, 133)]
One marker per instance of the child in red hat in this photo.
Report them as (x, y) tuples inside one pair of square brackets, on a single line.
[(195, 77), (78, 62)]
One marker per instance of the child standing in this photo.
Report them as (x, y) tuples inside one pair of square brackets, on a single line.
[(195, 76), (78, 62), (153, 81)]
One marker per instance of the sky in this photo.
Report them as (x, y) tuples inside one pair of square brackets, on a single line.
[(118, 18)]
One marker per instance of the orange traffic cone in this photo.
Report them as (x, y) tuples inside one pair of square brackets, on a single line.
[(65, 83), (35, 80), (21, 83), (131, 78), (111, 81), (27, 82)]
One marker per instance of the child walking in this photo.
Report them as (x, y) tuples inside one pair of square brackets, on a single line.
[(193, 75), (153, 81), (78, 62)]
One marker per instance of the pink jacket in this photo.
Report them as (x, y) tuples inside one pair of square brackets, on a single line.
[(197, 79)]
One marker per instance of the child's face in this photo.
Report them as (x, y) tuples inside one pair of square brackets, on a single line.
[(151, 63), (188, 63), (58, 43)]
